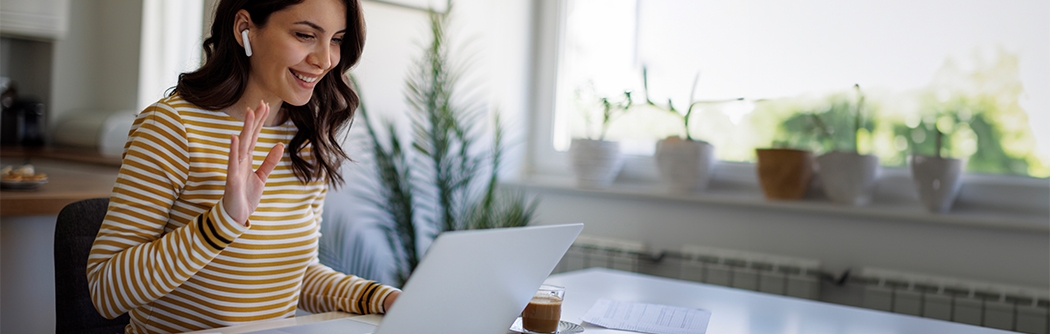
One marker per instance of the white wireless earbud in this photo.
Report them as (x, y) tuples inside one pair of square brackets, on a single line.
[(247, 44)]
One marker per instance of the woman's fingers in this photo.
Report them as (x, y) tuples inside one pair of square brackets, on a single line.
[(255, 125), (234, 154), (270, 162), (261, 114), (247, 133)]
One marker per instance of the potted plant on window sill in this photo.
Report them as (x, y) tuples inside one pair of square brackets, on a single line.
[(847, 176), (937, 179), (784, 173), (685, 164), (786, 168), (597, 162)]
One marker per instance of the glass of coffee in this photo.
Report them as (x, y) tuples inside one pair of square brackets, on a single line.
[(543, 312)]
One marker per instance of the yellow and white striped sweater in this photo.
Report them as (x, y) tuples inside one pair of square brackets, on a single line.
[(169, 254)]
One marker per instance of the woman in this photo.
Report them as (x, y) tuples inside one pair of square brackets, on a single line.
[(215, 214)]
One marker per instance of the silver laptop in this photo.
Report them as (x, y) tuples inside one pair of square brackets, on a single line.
[(468, 282)]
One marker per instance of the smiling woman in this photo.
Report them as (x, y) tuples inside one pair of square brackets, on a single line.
[(212, 221)]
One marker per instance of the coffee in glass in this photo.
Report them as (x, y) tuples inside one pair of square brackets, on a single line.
[(543, 313)]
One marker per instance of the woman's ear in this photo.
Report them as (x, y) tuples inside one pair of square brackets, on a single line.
[(242, 26)]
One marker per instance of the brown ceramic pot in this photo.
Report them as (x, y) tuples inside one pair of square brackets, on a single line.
[(784, 173)]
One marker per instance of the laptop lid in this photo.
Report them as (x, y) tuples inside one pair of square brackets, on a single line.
[(477, 281)]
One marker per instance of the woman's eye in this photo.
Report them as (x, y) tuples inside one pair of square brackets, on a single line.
[(337, 41), (303, 36)]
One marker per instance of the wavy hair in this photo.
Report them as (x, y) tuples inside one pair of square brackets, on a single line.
[(223, 78)]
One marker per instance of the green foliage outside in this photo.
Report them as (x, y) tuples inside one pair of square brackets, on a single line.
[(978, 112), (832, 125), (434, 181)]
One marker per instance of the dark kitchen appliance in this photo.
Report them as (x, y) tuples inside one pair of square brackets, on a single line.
[(21, 120)]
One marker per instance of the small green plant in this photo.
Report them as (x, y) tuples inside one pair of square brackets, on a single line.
[(610, 111), (939, 141), (688, 113), (805, 131), (857, 118), (841, 113)]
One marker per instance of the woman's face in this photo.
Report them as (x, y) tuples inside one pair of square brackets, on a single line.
[(296, 48)]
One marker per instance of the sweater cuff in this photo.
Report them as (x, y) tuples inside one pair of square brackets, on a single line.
[(218, 228), (381, 295)]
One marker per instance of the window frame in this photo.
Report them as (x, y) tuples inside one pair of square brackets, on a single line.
[(983, 197)]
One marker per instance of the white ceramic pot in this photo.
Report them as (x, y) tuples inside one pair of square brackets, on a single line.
[(685, 165), (937, 180), (848, 178), (595, 162)]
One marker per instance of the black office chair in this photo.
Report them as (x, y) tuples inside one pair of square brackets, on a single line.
[(78, 223)]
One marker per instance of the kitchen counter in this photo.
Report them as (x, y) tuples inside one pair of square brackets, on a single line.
[(71, 177)]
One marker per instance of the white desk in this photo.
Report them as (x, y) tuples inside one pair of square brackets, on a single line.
[(732, 310), (735, 310)]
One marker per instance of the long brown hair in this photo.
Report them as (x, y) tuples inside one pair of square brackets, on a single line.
[(222, 80)]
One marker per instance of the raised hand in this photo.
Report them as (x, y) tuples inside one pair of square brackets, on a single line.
[(244, 187)]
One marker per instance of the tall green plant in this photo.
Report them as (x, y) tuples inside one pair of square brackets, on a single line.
[(394, 193), (444, 188)]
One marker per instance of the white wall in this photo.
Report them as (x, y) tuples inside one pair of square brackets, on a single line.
[(1005, 256), (494, 34), (96, 64)]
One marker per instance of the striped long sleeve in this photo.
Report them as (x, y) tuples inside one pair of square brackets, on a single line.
[(325, 290), (170, 255)]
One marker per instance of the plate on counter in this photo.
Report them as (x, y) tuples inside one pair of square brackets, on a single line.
[(24, 184)]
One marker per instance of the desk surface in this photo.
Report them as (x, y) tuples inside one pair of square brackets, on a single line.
[(733, 310)]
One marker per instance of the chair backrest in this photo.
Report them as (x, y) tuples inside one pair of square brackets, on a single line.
[(75, 231)]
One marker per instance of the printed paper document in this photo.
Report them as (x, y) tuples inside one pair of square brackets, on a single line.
[(647, 318)]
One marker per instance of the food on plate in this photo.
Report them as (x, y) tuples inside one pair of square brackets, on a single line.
[(25, 173)]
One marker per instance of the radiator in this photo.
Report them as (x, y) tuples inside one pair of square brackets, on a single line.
[(768, 273), (987, 304), (782, 275), (590, 251)]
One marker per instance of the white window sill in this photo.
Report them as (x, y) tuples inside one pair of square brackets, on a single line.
[(884, 206)]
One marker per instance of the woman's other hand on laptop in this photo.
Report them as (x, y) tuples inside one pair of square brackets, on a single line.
[(389, 301)]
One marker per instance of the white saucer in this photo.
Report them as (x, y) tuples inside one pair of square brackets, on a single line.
[(564, 327)]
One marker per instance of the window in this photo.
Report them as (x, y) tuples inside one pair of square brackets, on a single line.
[(171, 45), (977, 70)]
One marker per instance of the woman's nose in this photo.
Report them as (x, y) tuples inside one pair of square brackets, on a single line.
[(321, 57)]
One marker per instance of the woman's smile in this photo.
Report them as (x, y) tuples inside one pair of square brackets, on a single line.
[(306, 78), (307, 81)]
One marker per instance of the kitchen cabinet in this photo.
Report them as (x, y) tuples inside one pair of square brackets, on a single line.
[(38, 19)]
